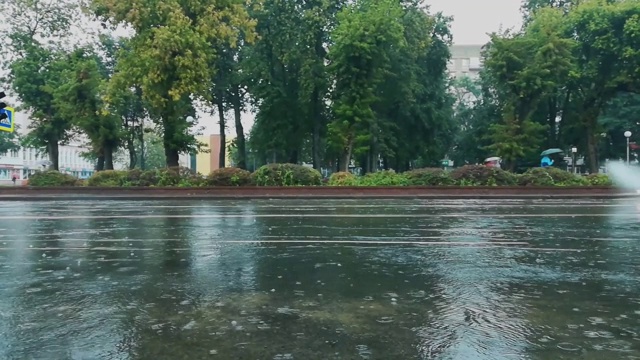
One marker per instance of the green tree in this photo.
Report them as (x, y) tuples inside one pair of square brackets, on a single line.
[(607, 60), (419, 120), (9, 141), (35, 78), (360, 57), (169, 55), (35, 33), (79, 97), (523, 69), (125, 103)]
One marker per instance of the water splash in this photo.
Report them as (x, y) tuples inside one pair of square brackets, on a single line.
[(624, 176)]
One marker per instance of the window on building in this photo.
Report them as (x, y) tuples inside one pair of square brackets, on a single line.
[(14, 153), (475, 63), (465, 63)]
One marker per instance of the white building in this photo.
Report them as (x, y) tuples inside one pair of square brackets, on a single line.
[(466, 60), (25, 161)]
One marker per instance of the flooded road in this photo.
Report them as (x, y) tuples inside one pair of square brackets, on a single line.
[(312, 279)]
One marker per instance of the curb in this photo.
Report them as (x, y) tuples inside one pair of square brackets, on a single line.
[(319, 192)]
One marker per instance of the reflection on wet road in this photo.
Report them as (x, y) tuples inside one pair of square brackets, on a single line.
[(332, 279)]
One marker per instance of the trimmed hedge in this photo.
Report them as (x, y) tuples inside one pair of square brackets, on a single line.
[(551, 177), (286, 175), (429, 177), (298, 175), (479, 175), (51, 178), (229, 177), (343, 179)]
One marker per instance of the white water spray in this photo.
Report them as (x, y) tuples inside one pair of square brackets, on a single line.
[(624, 176)]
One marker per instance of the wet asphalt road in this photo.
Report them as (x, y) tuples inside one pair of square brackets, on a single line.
[(332, 279)]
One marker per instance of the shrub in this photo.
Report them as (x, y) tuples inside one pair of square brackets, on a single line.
[(51, 178), (181, 177), (599, 180), (343, 179), (107, 178), (480, 175), (286, 175), (229, 176), (383, 178), (428, 177), (550, 177)]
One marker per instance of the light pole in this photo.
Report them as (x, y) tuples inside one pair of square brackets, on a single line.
[(627, 134), (574, 151)]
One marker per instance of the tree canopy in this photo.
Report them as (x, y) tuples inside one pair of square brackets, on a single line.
[(332, 83)]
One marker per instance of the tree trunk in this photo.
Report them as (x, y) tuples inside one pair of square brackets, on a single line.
[(142, 148), (170, 152), (108, 158), (592, 150), (317, 128), (173, 158), (133, 156), (53, 150), (100, 163), (553, 126), (223, 138), (345, 159), (240, 139), (293, 157)]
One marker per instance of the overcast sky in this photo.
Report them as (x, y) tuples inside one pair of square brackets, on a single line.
[(472, 20)]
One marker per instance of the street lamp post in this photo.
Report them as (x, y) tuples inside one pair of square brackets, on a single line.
[(574, 151), (627, 134)]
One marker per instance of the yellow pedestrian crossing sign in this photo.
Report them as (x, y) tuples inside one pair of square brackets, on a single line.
[(7, 121)]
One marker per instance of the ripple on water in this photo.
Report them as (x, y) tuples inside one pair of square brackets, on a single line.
[(566, 346), (364, 351), (385, 320)]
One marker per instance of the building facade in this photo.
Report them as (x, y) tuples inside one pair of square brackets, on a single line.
[(25, 161), (466, 60), (209, 159)]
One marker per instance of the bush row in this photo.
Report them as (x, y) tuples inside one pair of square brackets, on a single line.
[(297, 175), (268, 175), (472, 175)]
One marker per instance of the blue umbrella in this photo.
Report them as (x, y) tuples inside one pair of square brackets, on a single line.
[(551, 152)]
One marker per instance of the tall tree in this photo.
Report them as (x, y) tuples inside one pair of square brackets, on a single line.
[(366, 34), (35, 32), (80, 97), (607, 61), (523, 69), (35, 77), (171, 53)]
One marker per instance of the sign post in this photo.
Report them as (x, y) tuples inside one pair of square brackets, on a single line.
[(7, 120)]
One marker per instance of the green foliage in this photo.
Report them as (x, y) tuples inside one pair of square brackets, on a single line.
[(108, 178), (383, 178), (360, 57), (229, 177), (9, 141), (428, 177), (599, 180), (172, 51), (343, 179), (551, 176), (51, 178), (478, 175), (286, 175), (181, 177)]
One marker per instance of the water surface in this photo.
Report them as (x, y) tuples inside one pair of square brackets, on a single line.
[(332, 279)]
